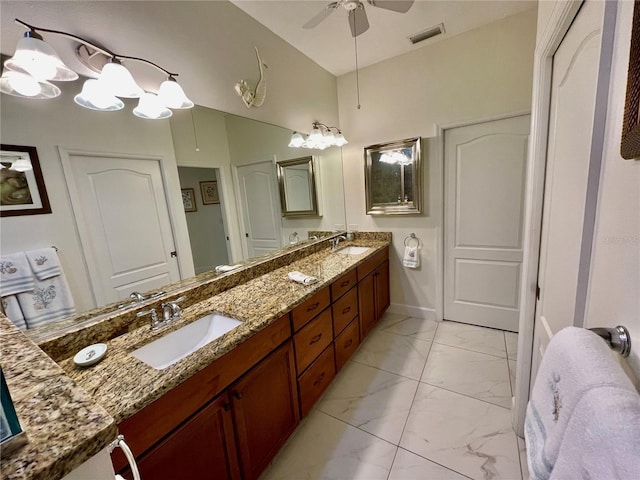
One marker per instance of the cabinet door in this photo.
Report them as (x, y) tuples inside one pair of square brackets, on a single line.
[(382, 289), (203, 448), (265, 410), (366, 304)]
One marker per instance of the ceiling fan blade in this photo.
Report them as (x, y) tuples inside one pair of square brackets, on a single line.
[(401, 6), (321, 15), (358, 21)]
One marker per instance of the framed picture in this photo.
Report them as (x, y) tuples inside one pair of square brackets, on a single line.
[(22, 190), (189, 199), (630, 145), (209, 191)]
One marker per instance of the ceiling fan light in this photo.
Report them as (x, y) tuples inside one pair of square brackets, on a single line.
[(95, 97), (172, 95), (39, 59), (119, 80), (23, 85), (21, 165), (296, 140), (151, 108)]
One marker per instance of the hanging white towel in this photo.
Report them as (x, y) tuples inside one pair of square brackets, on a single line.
[(13, 312), (302, 278), (15, 274), (411, 257), (44, 262), (576, 361), (602, 440), (49, 300)]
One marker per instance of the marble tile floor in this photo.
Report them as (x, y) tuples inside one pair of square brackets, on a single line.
[(420, 400)]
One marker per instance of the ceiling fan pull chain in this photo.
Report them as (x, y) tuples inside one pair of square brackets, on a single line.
[(355, 42)]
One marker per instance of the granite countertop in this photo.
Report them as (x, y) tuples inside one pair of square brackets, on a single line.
[(63, 423), (124, 385)]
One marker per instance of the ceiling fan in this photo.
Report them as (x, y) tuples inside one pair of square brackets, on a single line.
[(358, 21)]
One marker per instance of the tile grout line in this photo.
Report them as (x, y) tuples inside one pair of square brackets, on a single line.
[(464, 395), (436, 463)]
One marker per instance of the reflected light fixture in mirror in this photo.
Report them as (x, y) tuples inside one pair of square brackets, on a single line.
[(320, 138), (35, 63)]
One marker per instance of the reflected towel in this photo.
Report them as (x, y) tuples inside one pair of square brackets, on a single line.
[(12, 310), (49, 300), (411, 257), (226, 268), (15, 274), (302, 278), (576, 361), (44, 262)]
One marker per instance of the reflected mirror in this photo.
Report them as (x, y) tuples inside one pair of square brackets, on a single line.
[(195, 150), (392, 178), (297, 183)]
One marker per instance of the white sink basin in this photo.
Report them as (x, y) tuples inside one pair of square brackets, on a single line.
[(353, 250), (167, 350)]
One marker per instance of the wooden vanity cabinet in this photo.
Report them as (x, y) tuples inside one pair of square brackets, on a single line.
[(373, 290)]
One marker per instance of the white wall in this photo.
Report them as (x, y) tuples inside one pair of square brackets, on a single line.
[(60, 122), (483, 73)]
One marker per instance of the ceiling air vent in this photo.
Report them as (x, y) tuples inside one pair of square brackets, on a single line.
[(427, 34)]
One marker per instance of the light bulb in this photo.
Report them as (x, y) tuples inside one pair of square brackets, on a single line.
[(24, 84), (95, 96), (21, 84)]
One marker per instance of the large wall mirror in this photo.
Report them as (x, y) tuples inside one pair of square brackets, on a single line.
[(393, 173), (297, 183), (228, 164)]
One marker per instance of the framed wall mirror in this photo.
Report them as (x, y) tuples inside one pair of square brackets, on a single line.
[(393, 178), (297, 182)]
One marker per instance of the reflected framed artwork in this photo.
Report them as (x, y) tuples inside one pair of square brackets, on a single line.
[(189, 199), (209, 192), (22, 189)]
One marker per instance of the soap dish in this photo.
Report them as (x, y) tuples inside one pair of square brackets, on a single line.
[(90, 355)]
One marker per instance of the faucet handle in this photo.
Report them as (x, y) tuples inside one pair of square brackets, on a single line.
[(154, 316)]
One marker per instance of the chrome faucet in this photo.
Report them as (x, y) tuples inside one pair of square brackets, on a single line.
[(336, 241), (171, 310), (137, 297)]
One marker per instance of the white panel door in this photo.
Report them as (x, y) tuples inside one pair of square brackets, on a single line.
[(571, 123), (123, 219), (260, 207), (485, 168)]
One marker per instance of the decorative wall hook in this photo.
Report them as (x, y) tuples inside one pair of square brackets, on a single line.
[(256, 97)]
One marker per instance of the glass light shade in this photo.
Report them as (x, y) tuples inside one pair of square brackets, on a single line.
[(151, 108), (21, 84), (21, 165), (119, 81), (315, 136), (172, 95), (39, 59), (95, 97), (296, 140), (328, 138), (340, 140)]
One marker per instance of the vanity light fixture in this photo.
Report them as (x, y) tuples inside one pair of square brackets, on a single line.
[(321, 137), (35, 63)]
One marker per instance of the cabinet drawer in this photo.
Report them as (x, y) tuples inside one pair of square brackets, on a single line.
[(316, 379), (313, 339), (344, 310), (369, 265), (347, 343), (309, 309), (344, 283)]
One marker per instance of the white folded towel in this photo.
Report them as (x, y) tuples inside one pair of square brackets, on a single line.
[(602, 440), (226, 268), (12, 310), (575, 362), (49, 300), (44, 263), (411, 257), (15, 274), (302, 278)]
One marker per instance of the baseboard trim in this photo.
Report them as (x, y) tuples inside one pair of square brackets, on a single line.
[(412, 311)]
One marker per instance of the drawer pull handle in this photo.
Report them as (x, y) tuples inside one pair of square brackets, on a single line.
[(348, 344), (319, 380), (226, 407), (345, 283), (315, 339), (346, 310), (313, 307), (238, 395)]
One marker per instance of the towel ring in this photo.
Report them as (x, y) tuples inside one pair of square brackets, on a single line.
[(408, 239)]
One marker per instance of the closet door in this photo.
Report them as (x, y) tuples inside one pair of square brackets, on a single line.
[(485, 167)]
